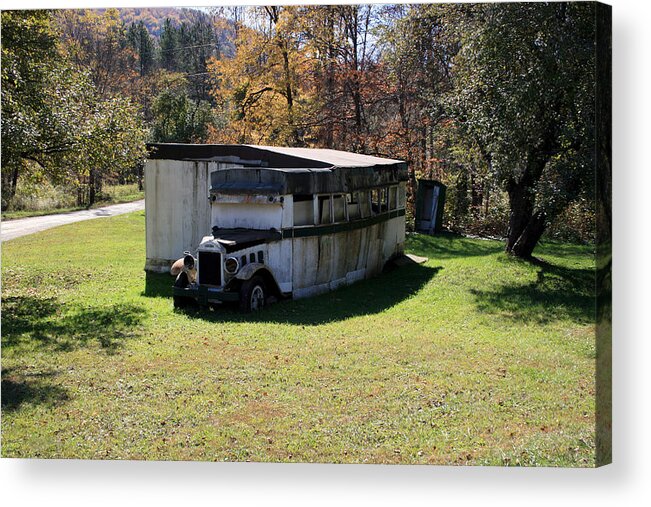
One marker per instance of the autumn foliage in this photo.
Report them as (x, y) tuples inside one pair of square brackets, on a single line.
[(435, 85)]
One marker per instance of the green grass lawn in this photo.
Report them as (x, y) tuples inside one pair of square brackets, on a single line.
[(472, 358)]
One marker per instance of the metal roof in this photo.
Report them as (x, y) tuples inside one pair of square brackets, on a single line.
[(334, 158), (267, 156), (273, 170)]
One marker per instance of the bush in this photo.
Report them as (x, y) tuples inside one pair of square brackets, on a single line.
[(43, 196), (577, 224), (459, 217), (120, 193)]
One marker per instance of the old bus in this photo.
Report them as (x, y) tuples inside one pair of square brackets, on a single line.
[(288, 222)]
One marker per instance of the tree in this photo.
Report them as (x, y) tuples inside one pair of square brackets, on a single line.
[(143, 45), (281, 36), (168, 46), (54, 116), (28, 51), (524, 91), (113, 142), (347, 79), (416, 48), (178, 118), (196, 44), (355, 20), (259, 90), (97, 42)]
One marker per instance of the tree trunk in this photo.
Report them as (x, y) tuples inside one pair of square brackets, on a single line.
[(329, 66), (476, 197), (525, 226), (461, 190), (521, 205), (9, 187), (289, 96), (99, 183), (14, 181), (91, 187), (529, 238)]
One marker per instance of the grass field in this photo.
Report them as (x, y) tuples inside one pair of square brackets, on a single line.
[(472, 358)]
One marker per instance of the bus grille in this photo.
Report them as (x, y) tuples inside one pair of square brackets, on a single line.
[(210, 268)]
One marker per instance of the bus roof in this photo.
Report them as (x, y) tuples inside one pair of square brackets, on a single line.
[(270, 170), (266, 156)]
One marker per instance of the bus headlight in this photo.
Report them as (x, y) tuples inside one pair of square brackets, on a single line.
[(231, 265), (188, 261)]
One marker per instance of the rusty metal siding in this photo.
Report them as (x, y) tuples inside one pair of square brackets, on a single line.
[(305, 254), (325, 259), (324, 262), (280, 259)]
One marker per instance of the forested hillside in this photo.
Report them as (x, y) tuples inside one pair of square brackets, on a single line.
[(154, 18), (494, 100)]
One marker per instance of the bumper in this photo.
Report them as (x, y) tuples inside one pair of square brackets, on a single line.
[(205, 295)]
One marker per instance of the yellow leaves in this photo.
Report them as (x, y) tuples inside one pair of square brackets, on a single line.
[(257, 89)]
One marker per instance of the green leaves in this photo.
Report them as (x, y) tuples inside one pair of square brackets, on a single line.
[(53, 113), (523, 88), (177, 118), (522, 78), (142, 43)]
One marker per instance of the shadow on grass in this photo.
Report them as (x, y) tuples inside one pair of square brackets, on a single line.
[(33, 389), (366, 297), (449, 246), (560, 249), (158, 285), (43, 322), (557, 293)]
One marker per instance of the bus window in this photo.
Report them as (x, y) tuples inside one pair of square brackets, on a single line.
[(375, 201), (325, 216), (393, 198), (379, 200), (354, 208), (339, 207), (401, 197), (303, 210), (365, 203)]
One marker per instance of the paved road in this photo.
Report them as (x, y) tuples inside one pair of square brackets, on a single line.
[(11, 229)]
